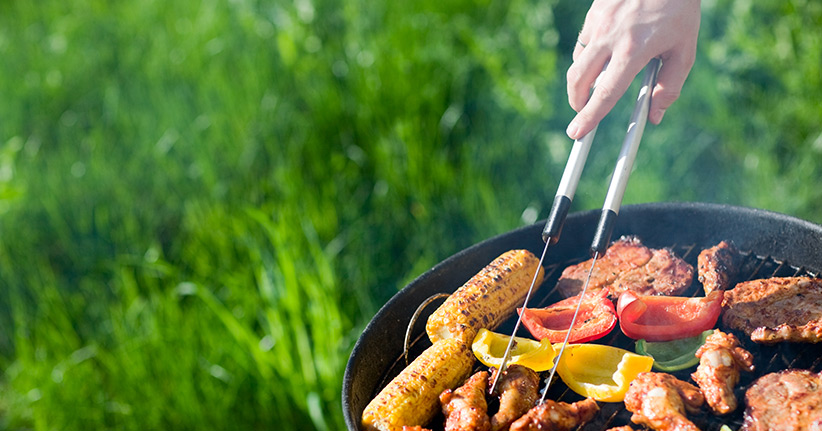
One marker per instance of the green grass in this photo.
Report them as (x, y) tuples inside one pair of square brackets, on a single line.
[(202, 204)]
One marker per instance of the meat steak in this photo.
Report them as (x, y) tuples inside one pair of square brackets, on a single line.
[(784, 400), (776, 309), (629, 265)]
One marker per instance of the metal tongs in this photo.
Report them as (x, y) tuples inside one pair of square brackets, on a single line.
[(610, 208)]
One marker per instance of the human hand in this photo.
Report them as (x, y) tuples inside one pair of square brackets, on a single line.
[(626, 35)]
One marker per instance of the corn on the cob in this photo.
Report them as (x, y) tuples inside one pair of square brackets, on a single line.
[(412, 398), (487, 299)]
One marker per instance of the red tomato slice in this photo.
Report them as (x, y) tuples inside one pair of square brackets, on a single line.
[(666, 318), (596, 318)]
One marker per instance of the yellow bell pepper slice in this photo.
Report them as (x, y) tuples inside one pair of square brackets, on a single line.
[(600, 372), (489, 347)]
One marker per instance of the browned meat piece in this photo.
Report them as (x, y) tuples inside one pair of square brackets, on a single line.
[(557, 416), (720, 360), (660, 400), (718, 266), (776, 309), (519, 391), (465, 408), (785, 400), (629, 265), (622, 428)]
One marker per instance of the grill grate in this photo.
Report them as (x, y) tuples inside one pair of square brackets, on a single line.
[(768, 358)]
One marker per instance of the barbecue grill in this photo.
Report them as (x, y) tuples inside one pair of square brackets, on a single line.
[(772, 244)]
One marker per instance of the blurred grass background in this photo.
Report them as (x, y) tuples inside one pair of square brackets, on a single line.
[(203, 202)]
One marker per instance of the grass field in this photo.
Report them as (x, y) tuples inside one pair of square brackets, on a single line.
[(202, 203)]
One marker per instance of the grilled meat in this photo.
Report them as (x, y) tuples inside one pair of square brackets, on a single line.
[(776, 309), (629, 265), (465, 408), (720, 360), (660, 401), (519, 391), (785, 400), (557, 416), (622, 428), (717, 266)]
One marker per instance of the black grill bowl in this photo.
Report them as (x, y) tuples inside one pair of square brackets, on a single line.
[(775, 244)]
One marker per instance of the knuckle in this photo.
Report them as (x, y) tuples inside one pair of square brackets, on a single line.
[(607, 94)]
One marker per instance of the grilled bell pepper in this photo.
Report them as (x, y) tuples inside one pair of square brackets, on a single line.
[(489, 347), (596, 318), (673, 355), (600, 372), (666, 318)]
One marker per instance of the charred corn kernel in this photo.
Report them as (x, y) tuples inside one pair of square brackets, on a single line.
[(487, 299), (412, 398)]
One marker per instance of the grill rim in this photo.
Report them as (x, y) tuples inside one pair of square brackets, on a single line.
[(766, 234)]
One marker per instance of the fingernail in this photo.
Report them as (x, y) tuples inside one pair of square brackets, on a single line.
[(573, 130)]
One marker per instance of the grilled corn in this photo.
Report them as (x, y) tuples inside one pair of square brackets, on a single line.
[(412, 398), (487, 299)]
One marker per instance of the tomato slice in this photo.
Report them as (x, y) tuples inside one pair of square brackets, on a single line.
[(597, 317), (666, 318)]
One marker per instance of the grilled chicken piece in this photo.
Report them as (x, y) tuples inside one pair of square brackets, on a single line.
[(785, 400), (776, 309), (557, 416), (519, 390), (629, 265), (718, 266), (465, 408), (720, 360), (660, 401)]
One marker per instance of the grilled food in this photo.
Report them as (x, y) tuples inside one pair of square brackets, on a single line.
[(660, 401), (721, 359), (629, 265), (465, 408), (487, 299), (411, 398), (776, 309), (718, 266), (519, 391), (785, 400), (557, 416)]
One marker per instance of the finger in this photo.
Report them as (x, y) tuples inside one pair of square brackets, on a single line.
[(614, 82), (582, 74), (578, 48), (669, 85)]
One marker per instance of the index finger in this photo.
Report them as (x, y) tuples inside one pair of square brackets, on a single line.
[(614, 82)]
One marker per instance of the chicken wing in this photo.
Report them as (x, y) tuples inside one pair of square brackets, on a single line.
[(519, 390), (465, 408), (720, 360), (556, 416), (660, 401), (718, 266)]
